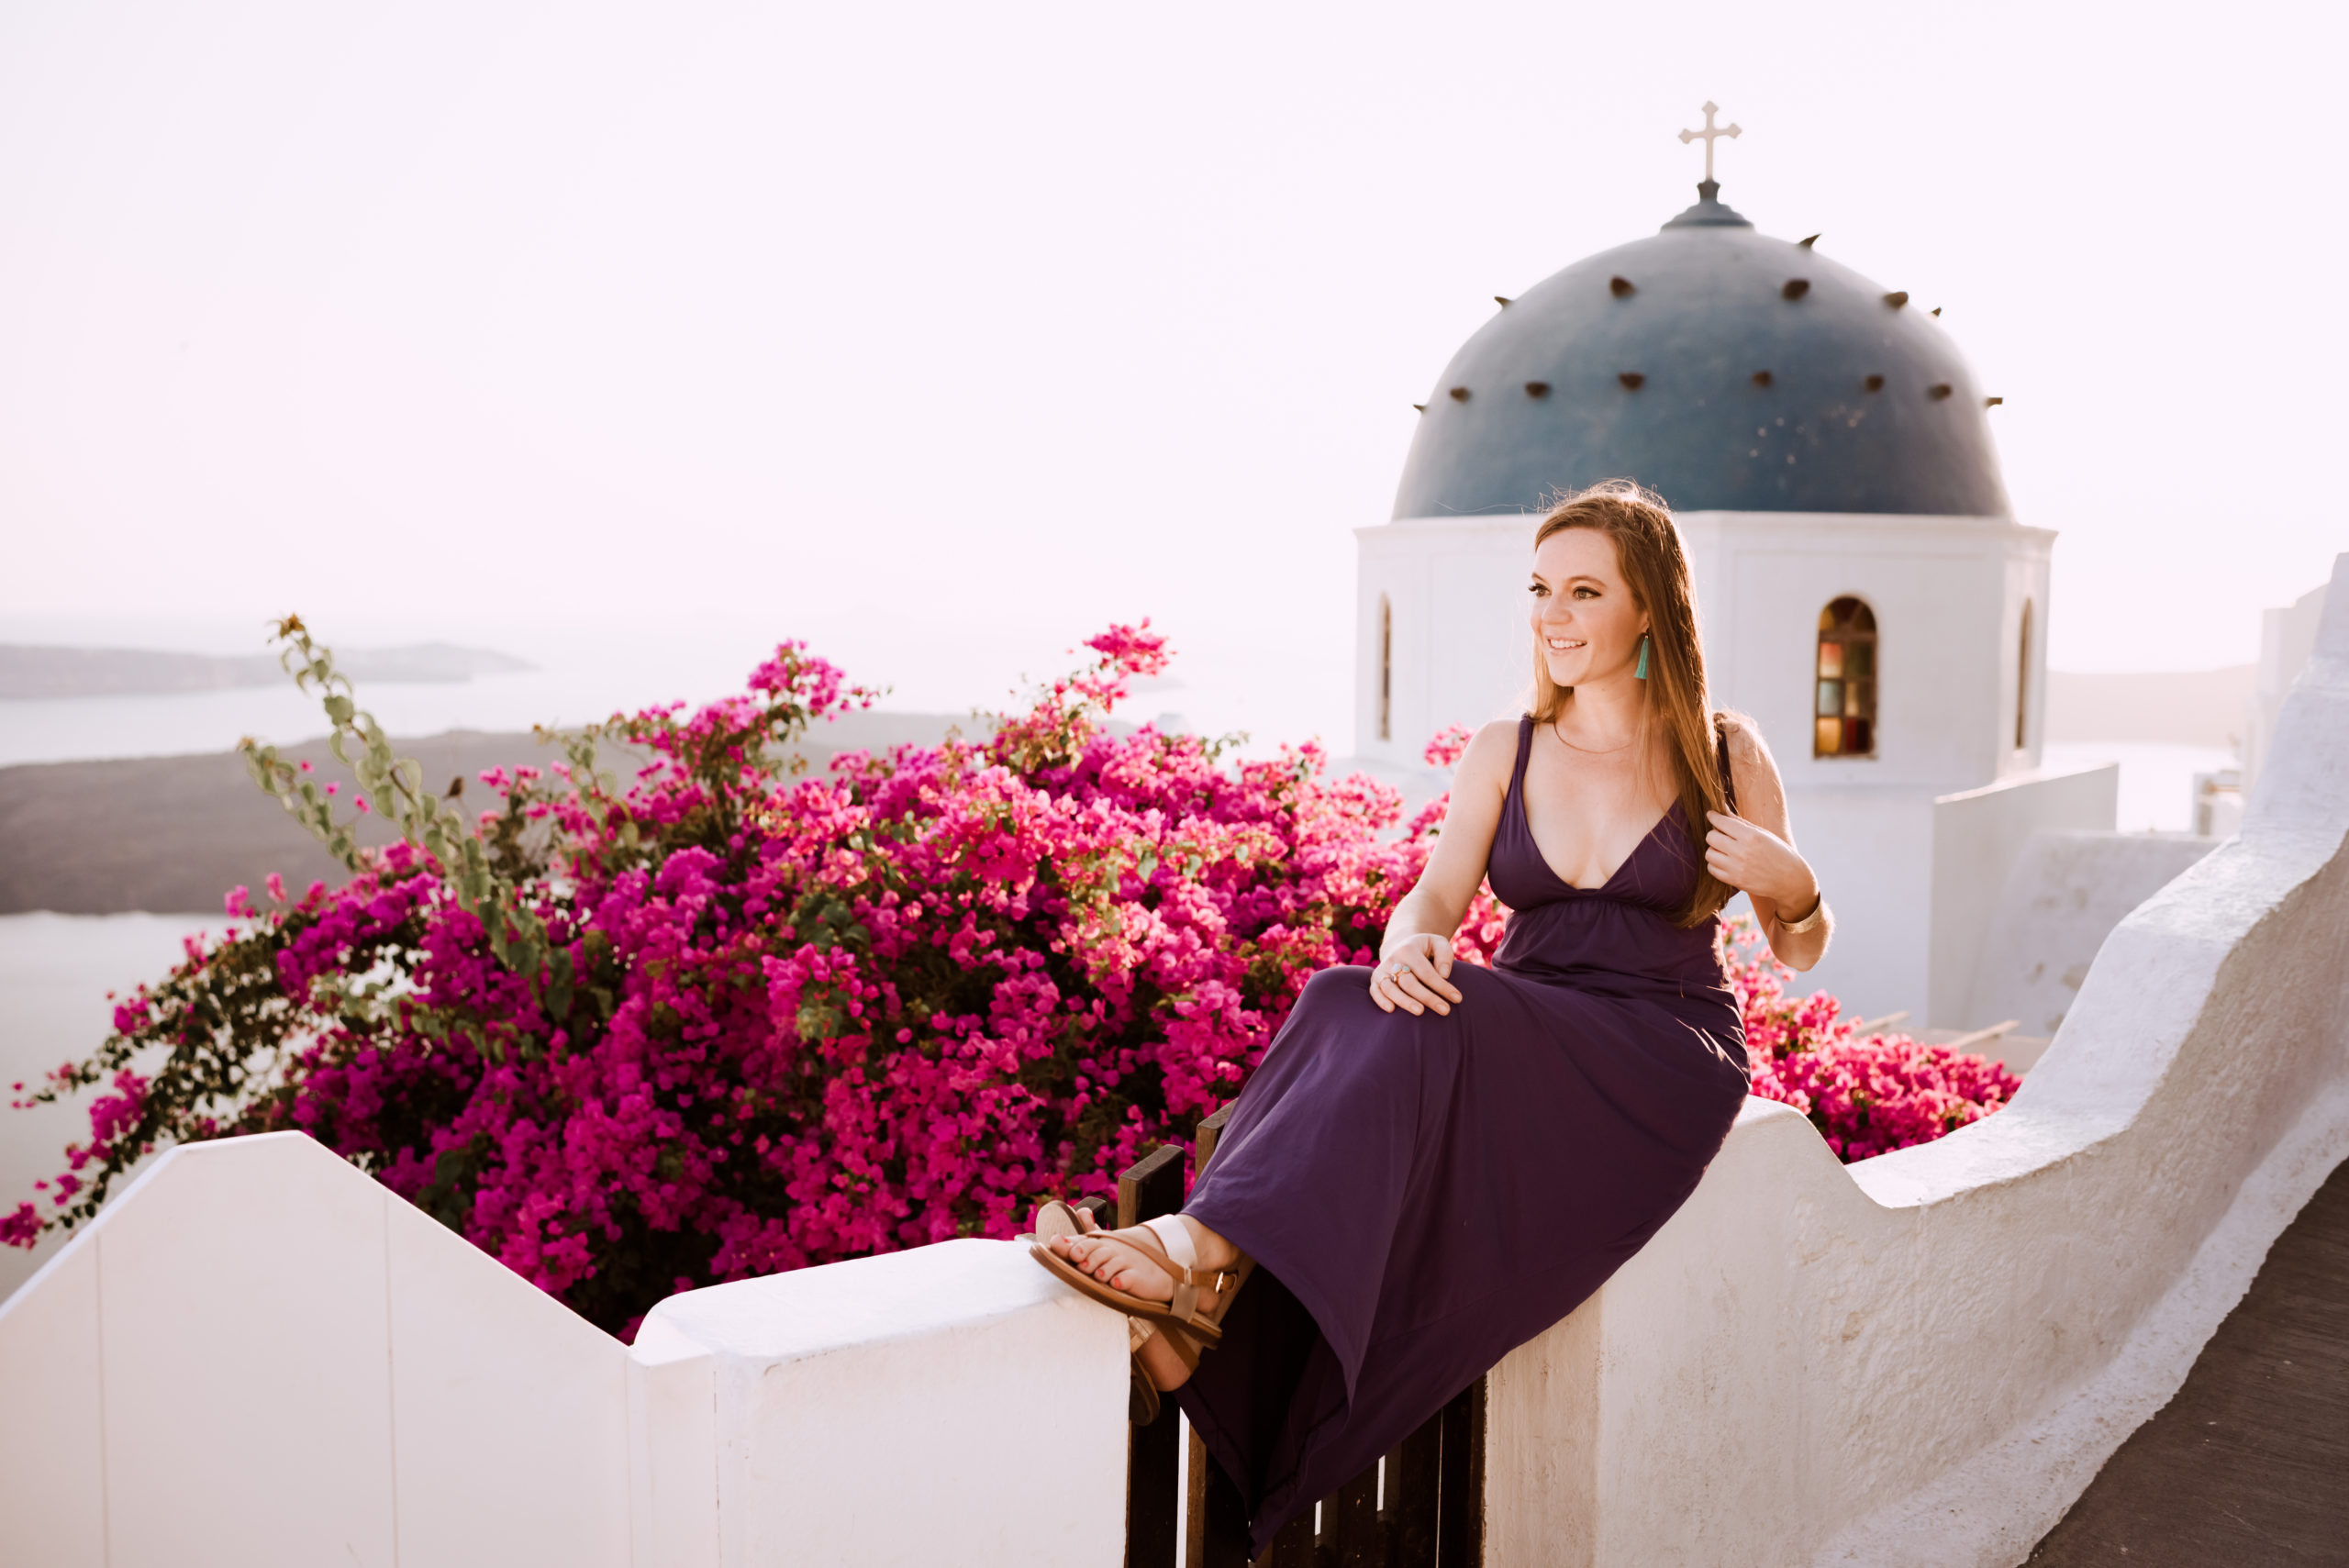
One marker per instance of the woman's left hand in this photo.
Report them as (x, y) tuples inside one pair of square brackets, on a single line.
[(1757, 862)]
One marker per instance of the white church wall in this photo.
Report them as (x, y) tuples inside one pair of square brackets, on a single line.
[(1872, 850), (2022, 671), (1946, 594), (1922, 1358), (1455, 590), (1978, 834)]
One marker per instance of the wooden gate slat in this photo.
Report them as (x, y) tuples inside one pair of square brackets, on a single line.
[(1293, 1547), (1414, 1471), (1219, 1521), (1350, 1523), (1152, 1186), (1460, 1518)]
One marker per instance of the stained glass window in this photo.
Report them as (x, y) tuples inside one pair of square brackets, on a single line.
[(1844, 710)]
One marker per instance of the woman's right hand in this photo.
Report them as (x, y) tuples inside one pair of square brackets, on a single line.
[(1413, 974)]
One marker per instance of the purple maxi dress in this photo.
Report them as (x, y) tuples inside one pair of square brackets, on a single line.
[(1423, 1194)]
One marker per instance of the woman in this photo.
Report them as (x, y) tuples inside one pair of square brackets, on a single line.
[(1437, 1162)]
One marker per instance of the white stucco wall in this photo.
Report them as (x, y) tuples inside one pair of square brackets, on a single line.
[(1922, 1358), (1977, 837), (257, 1355), (2286, 636), (947, 1404), (1872, 849), (2066, 892)]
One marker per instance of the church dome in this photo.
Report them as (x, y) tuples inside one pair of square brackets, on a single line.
[(1721, 368)]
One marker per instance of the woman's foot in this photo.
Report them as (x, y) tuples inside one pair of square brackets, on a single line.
[(1121, 1266)]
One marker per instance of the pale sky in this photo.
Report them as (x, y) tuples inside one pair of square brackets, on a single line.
[(941, 336)]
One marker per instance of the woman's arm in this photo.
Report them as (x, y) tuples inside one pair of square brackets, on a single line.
[(1419, 937), (1754, 852)]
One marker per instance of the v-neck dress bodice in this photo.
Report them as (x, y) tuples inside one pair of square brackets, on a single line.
[(1422, 1193), (1621, 935)]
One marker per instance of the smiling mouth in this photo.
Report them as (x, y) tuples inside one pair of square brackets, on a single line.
[(1558, 645)]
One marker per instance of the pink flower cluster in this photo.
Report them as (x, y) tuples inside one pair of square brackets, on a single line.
[(809, 1018), (1867, 1095)]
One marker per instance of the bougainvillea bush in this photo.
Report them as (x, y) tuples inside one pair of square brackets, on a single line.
[(1868, 1094), (727, 1019)]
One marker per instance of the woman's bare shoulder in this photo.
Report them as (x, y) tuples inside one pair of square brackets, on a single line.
[(1760, 794), (1491, 756), (1745, 742)]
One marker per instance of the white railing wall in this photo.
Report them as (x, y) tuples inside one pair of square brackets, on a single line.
[(259, 1356)]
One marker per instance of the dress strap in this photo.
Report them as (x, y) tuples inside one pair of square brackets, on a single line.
[(1720, 749), (1524, 751)]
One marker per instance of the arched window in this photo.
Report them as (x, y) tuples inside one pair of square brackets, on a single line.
[(1846, 681), (2022, 679), (1386, 668)]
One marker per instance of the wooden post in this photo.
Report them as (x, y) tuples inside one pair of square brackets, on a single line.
[(1350, 1523), (1218, 1536), (1152, 1186), (1414, 1472), (1210, 1133), (1460, 1523), (1293, 1547), (1216, 1533)]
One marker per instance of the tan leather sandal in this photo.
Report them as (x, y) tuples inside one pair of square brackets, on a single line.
[(1201, 1296), (1143, 1404)]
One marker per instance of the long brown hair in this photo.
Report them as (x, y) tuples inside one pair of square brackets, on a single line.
[(1647, 545)]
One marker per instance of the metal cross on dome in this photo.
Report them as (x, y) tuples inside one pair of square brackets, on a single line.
[(1711, 133)]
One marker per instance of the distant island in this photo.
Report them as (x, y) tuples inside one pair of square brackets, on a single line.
[(172, 834), (35, 672)]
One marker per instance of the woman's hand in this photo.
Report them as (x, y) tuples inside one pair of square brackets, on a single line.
[(1759, 863), (1412, 974)]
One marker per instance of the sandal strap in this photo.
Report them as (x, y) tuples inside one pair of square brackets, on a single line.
[(1187, 1282)]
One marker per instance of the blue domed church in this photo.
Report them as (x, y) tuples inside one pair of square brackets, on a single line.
[(1863, 588)]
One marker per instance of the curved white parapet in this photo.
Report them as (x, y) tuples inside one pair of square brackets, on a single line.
[(257, 1355), (1923, 1358)]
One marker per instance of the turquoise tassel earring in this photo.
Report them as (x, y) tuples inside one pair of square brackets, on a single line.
[(1642, 673)]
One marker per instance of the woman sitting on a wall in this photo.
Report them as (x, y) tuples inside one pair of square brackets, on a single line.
[(1436, 1161)]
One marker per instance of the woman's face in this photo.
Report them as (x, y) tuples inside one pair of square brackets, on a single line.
[(1585, 622)]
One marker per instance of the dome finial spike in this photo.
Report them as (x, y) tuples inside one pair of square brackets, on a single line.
[(1711, 134)]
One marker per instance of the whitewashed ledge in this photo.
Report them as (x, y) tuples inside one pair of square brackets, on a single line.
[(257, 1356)]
